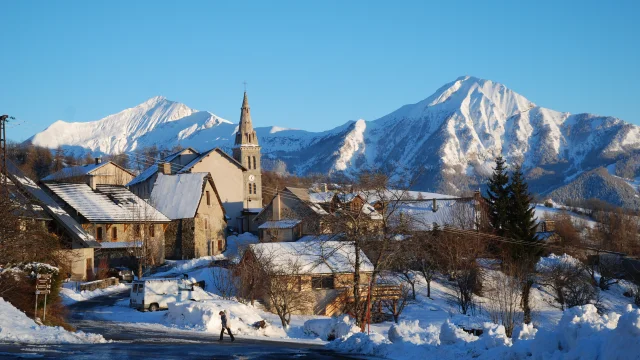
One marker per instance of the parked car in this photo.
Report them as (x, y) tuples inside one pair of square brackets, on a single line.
[(155, 294), (122, 273)]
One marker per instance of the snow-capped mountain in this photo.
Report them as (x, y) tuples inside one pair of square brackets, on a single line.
[(459, 129)]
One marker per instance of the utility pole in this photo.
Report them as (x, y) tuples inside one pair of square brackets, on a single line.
[(3, 148)]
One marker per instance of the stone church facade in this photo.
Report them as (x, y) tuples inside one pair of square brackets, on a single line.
[(237, 178)]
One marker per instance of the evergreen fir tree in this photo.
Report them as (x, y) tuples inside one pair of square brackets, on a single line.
[(498, 197), (522, 227)]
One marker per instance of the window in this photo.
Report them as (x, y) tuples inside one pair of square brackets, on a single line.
[(99, 233), (208, 198), (136, 229), (219, 245), (250, 189), (206, 224), (322, 282), (114, 234), (140, 288), (255, 189), (249, 162), (152, 230), (254, 163), (135, 288)]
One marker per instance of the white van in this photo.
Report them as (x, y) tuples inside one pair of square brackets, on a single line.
[(155, 294)]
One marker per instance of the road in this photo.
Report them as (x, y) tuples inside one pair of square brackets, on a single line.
[(130, 341)]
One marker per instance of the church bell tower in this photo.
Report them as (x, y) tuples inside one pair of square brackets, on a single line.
[(246, 151)]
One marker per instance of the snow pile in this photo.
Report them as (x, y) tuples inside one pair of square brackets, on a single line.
[(183, 266), (411, 332), (236, 244), (581, 334), (204, 316), (70, 296), (15, 326), (553, 261), (329, 329)]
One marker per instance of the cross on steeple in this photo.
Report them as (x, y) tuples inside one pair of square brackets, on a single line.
[(245, 86)]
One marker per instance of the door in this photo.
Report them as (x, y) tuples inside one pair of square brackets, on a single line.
[(89, 268)]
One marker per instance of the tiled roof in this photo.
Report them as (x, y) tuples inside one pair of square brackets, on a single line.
[(280, 224), (107, 204), (51, 207)]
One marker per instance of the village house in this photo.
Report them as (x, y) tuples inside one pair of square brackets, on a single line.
[(325, 269), (295, 212), (107, 173), (124, 225), (237, 178), (197, 215), (39, 210), (290, 215)]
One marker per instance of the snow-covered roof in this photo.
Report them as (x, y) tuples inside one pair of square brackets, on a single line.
[(321, 237), (280, 224), (178, 196), (321, 197), (459, 213), (107, 204), (73, 171), (51, 207), (312, 257), (373, 196), (303, 195), (148, 172)]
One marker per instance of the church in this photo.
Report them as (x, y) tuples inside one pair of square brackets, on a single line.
[(236, 179)]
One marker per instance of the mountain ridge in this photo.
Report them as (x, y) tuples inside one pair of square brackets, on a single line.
[(459, 129)]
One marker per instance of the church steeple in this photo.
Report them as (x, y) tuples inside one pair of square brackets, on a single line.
[(246, 135), (247, 152)]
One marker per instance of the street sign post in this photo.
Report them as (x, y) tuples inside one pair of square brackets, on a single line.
[(43, 287)]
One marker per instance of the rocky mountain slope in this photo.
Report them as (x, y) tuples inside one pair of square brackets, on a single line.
[(453, 134)]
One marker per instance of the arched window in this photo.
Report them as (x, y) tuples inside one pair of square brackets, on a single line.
[(255, 189), (254, 163), (250, 188), (249, 162)]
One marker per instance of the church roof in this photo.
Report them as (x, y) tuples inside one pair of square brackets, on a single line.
[(246, 135), (189, 166)]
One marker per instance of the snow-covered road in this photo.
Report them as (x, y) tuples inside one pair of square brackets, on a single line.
[(141, 341)]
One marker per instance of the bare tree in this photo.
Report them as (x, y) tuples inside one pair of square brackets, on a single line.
[(281, 285), (570, 283), (504, 295), (222, 280)]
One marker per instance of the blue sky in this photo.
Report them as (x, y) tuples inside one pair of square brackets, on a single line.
[(310, 65)]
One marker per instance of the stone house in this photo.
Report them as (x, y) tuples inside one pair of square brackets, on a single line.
[(289, 206), (197, 215), (238, 178), (119, 220), (106, 173), (40, 210), (324, 269)]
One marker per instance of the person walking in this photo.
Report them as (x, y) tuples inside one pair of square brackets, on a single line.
[(226, 324)]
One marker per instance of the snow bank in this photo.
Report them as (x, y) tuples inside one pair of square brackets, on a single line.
[(70, 296), (329, 329), (236, 244), (15, 326), (184, 266), (581, 334), (546, 264), (204, 316)]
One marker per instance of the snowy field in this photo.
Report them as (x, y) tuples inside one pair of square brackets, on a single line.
[(16, 327)]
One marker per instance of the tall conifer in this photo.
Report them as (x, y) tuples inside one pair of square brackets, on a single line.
[(498, 197)]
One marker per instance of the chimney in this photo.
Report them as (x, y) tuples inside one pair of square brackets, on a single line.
[(324, 187), (164, 168), (276, 207), (434, 207), (97, 160), (92, 182)]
